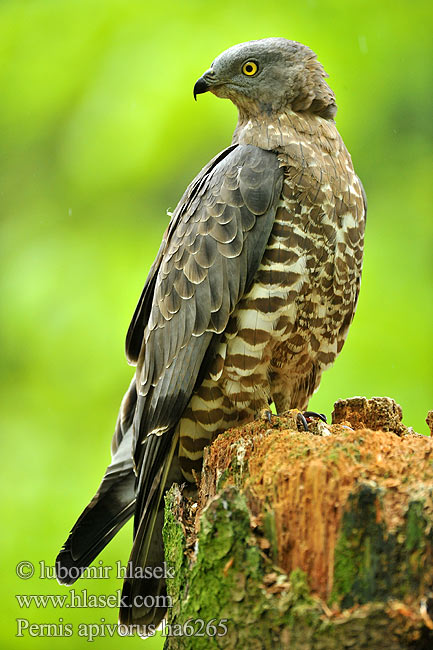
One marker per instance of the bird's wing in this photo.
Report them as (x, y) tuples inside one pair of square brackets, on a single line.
[(134, 337), (214, 246), (212, 250)]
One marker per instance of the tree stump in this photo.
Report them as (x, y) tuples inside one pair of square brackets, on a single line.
[(306, 540)]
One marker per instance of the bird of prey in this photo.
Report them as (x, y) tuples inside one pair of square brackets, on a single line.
[(248, 301)]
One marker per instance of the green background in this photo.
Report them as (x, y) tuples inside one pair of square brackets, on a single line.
[(99, 137)]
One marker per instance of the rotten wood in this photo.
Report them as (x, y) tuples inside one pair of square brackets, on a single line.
[(308, 540)]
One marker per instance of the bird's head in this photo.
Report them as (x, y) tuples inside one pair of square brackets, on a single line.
[(269, 75)]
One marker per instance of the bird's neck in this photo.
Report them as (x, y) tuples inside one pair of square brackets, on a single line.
[(278, 130)]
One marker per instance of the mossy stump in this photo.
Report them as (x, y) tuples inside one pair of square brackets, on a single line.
[(304, 541)]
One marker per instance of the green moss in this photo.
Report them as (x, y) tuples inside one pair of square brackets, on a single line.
[(231, 582), (270, 530), (372, 563), (222, 479), (228, 578), (174, 540), (334, 455), (415, 526)]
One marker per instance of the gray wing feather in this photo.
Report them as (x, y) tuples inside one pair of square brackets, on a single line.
[(215, 243), (191, 197)]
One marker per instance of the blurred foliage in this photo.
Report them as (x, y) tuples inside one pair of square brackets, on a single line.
[(99, 137)]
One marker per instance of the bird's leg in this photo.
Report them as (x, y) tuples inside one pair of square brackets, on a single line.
[(303, 419), (264, 414), (313, 414)]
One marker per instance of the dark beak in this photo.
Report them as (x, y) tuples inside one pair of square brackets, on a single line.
[(201, 86)]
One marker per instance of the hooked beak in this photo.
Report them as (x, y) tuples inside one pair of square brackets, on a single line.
[(202, 85)]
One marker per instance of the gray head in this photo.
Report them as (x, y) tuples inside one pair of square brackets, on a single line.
[(270, 75)]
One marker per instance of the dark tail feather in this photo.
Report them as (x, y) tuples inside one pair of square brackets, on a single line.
[(110, 508), (144, 599)]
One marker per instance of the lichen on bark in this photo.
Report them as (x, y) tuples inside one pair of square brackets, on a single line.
[(308, 541)]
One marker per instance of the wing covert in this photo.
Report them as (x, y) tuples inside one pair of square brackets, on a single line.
[(134, 337)]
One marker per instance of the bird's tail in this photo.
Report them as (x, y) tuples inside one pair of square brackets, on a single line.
[(144, 598), (121, 495), (110, 508)]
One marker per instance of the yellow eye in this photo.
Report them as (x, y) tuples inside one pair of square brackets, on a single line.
[(250, 68)]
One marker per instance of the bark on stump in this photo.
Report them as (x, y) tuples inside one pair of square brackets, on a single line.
[(306, 541)]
